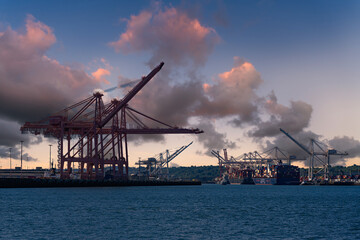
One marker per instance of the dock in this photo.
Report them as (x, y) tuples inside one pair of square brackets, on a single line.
[(53, 183)]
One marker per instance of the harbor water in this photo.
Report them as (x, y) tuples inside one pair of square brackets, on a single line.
[(181, 212)]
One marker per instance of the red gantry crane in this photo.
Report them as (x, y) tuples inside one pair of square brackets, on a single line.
[(95, 134)]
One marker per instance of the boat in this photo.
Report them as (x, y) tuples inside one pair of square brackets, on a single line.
[(244, 176), (278, 175), (224, 180)]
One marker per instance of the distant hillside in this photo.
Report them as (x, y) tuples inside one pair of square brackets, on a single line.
[(203, 173)]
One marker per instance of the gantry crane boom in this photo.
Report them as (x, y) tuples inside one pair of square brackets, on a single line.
[(130, 95), (217, 155), (177, 152), (296, 142), (313, 154), (168, 159)]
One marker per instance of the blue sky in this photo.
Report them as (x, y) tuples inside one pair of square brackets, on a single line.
[(265, 32), (303, 50)]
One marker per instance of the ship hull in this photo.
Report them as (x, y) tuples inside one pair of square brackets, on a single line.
[(278, 175), (238, 181), (265, 181), (276, 181)]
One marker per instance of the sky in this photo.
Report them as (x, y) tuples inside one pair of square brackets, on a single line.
[(239, 70)]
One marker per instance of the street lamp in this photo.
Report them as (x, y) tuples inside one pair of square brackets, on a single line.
[(50, 158), (10, 156), (21, 143)]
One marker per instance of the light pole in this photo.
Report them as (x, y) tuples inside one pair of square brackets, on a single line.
[(21, 143), (50, 158), (10, 156)]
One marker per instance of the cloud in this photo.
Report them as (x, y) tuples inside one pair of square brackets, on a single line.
[(139, 139), (15, 154), (284, 143), (344, 144), (169, 34), (10, 134), (233, 94), (106, 64), (171, 104), (10, 137), (211, 138), (294, 118), (172, 36), (33, 85), (99, 75)]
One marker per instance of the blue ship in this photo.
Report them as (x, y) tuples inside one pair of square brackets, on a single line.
[(280, 175)]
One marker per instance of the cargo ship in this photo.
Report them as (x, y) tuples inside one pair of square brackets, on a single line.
[(244, 176), (277, 175), (271, 175)]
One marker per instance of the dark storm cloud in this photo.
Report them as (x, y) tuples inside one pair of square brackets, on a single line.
[(10, 137), (294, 118), (347, 144), (139, 139), (212, 139), (15, 154)]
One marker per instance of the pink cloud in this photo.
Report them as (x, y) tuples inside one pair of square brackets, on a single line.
[(206, 87), (106, 63), (233, 93), (99, 75), (35, 41), (32, 84), (38, 34), (169, 34)]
